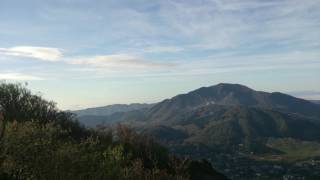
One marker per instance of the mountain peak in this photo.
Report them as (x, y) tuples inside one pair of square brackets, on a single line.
[(233, 95), (232, 87), (223, 89), (229, 85)]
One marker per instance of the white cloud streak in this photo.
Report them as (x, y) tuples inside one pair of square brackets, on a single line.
[(19, 77), (116, 61), (40, 53)]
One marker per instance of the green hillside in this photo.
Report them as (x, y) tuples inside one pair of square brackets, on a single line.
[(232, 128)]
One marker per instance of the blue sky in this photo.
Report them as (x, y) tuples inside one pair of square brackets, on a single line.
[(83, 53)]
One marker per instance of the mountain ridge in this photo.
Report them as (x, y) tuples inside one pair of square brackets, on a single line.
[(232, 95), (113, 108), (222, 94)]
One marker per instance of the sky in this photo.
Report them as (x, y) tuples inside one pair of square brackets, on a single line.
[(85, 53)]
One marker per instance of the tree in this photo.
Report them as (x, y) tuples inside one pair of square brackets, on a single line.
[(38, 141)]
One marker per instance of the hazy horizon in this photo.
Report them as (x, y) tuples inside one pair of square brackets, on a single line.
[(94, 53)]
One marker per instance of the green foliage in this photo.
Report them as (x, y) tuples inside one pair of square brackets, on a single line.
[(40, 142), (41, 151), (19, 104)]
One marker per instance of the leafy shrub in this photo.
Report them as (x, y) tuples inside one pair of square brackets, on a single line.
[(40, 142)]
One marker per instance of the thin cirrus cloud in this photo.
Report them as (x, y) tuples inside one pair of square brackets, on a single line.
[(164, 49), (40, 53), (116, 61), (19, 77), (222, 25)]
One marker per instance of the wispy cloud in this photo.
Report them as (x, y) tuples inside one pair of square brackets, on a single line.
[(116, 61), (219, 24), (41, 53), (237, 62), (164, 49), (19, 77)]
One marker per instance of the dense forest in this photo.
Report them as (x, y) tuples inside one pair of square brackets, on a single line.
[(38, 141)]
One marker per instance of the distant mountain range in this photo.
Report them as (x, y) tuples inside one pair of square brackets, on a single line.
[(225, 118), (222, 94), (93, 116), (108, 110)]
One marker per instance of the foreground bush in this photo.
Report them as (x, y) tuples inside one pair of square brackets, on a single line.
[(33, 151), (40, 142)]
